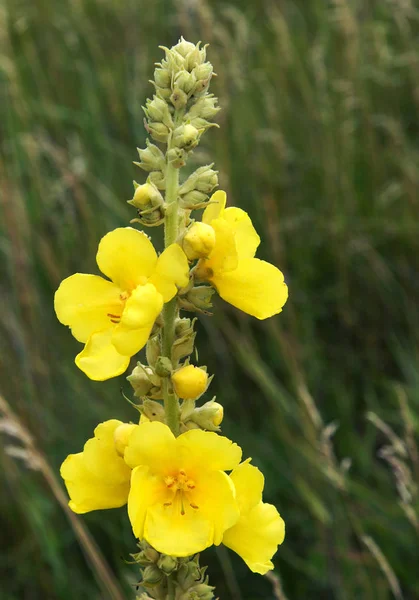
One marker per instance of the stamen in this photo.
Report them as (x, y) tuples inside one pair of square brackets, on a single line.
[(182, 506), (190, 484), (167, 504), (193, 505)]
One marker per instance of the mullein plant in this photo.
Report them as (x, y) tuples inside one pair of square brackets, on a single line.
[(186, 486)]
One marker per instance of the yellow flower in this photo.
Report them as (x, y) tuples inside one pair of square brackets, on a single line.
[(260, 529), (190, 382), (98, 477), (114, 318), (181, 501), (252, 285)]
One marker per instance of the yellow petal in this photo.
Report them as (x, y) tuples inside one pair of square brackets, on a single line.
[(171, 272), (126, 256), (256, 537), (140, 312), (255, 287), (146, 490), (224, 255), (176, 534), (153, 445), (248, 482), (101, 456), (214, 495), (245, 236), (207, 450), (84, 302), (99, 359), (98, 477), (216, 208)]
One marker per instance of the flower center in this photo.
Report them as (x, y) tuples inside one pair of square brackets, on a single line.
[(180, 486)]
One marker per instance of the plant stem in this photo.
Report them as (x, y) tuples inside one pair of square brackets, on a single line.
[(170, 311)]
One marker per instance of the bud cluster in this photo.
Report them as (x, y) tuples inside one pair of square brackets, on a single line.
[(188, 577)]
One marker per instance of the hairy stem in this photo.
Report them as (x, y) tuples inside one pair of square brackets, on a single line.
[(170, 311)]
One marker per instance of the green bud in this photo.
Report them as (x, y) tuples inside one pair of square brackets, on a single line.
[(193, 199), (177, 157), (163, 366), (188, 574), (203, 72), (151, 554), (185, 81), (208, 416), (183, 47), (203, 179), (158, 131), (153, 350), (158, 179), (167, 564), (186, 136), (153, 410), (152, 158), (204, 108), (183, 346), (140, 380), (183, 325), (202, 124), (162, 77), (158, 111), (163, 93), (198, 299), (151, 576), (178, 98)]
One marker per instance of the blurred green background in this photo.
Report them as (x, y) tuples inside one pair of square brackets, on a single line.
[(319, 143)]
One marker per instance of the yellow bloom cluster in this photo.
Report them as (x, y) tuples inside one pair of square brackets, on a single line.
[(185, 485), (180, 498)]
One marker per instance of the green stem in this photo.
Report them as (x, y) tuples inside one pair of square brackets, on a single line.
[(171, 592), (170, 311)]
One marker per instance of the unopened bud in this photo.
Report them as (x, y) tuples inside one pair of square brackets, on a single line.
[(143, 379), (157, 110), (208, 416), (190, 382), (198, 241), (183, 47), (204, 107), (203, 71), (167, 564), (177, 157), (121, 436), (153, 410), (194, 199), (185, 81), (151, 576), (151, 554), (203, 179), (200, 297), (145, 195), (152, 158), (186, 136), (163, 366), (158, 131), (157, 178), (178, 98), (162, 77), (153, 350)]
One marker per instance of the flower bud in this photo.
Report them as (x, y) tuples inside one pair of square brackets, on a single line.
[(158, 131), (157, 110), (183, 47), (190, 382), (153, 410), (151, 576), (177, 157), (200, 297), (163, 366), (185, 81), (153, 350), (143, 380), (167, 564), (157, 179), (208, 416), (203, 71), (152, 158), (194, 199), (121, 436), (186, 136), (178, 98), (162, 77), (204, 107), (203, 179), (202, 124), (145, 195), (198, 241)]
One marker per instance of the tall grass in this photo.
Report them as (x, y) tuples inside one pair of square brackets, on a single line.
[(319, 142)]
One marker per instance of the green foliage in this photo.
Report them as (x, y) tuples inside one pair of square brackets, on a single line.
[(319, 143)]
